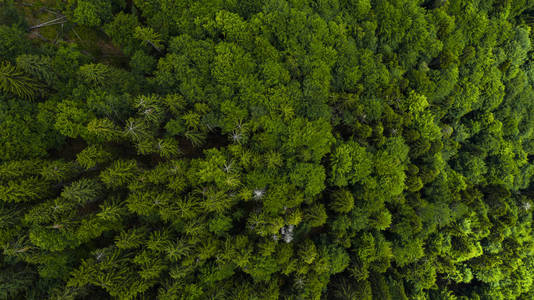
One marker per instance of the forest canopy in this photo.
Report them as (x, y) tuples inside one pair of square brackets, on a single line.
[(266, 149)]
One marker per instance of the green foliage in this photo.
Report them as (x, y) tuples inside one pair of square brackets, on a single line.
[(10, 16), (83, 191), (12, 42), (148, 36), (27, 189), (310, 177), (266, 149), (40, 67), (72, 119), (342, 201), (316, 215), (24, 134), (121, 31), (103, 130), (120, 173), (15, 82), (351, 163), (90, 12), (92, 156), (95, 74)]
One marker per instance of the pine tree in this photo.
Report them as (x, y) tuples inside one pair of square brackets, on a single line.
[(95, 74), (39, 67), (93, 156), (149, 37), (120, 173), (15, 82), (28, 189), (103, 130), (83, 191)]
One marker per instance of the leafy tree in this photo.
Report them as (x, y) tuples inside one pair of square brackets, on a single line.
[(72, 119), (310, 177), (316, 215), (121, 31), (342, 201), (24, 134), (90, 12), (350, 163)]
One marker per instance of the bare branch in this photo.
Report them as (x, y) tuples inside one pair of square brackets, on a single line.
[(56, 21)]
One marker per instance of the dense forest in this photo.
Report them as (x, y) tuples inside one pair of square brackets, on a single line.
[(266, 149)]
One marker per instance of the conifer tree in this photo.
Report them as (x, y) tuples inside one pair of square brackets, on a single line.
[(16, 83)]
